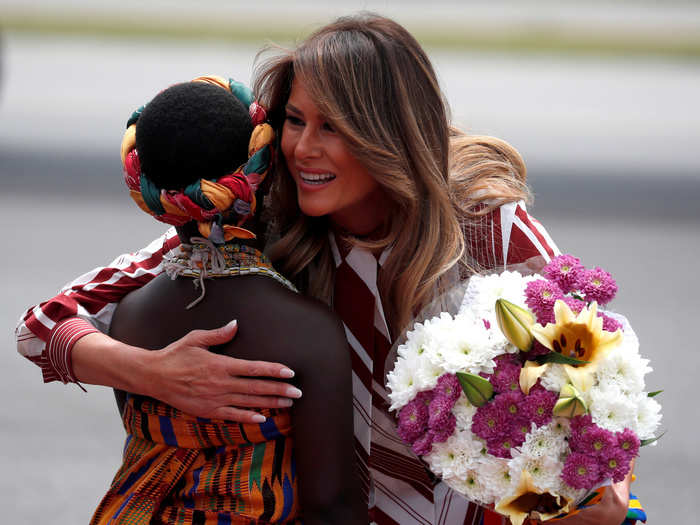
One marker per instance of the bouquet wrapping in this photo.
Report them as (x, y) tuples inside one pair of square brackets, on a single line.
[(529, 396)]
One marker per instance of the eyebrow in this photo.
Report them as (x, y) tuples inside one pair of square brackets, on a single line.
[(293, 108)]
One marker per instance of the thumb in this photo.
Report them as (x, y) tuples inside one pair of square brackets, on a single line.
[(217, 336)]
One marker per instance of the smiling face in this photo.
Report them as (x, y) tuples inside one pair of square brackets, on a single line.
[(329, 178)]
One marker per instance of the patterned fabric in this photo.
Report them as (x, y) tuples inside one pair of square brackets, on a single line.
[(178, 469), (635, 511), (397, 486), (506, 238), (206, 201)]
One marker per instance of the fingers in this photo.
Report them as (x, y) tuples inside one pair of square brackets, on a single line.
[(217, 336), (244, 400), (237, 415), (258, 387), (242, 367)]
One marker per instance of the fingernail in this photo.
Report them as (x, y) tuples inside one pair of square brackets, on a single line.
[(232, 324), (258, 418), (293, 392), (284, 403), (287, 372)]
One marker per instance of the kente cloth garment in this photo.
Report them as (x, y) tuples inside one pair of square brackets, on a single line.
[(180, 469)]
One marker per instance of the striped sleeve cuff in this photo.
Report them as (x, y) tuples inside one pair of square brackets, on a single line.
[(60, 346)]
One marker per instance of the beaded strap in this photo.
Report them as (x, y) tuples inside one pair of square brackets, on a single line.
[(206, 201), (204, 260)]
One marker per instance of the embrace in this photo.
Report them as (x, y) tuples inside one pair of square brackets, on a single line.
[(322, 212)]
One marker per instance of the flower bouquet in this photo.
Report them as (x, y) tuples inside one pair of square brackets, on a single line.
[(529, 396)]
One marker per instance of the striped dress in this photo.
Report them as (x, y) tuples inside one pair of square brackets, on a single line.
[(397, 486)]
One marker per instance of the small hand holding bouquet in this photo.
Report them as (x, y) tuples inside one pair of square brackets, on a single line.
[(528, 397)]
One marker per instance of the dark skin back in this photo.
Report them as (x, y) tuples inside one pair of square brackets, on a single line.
[(275, 324)]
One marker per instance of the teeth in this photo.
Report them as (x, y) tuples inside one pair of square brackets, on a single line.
[(316, 178)]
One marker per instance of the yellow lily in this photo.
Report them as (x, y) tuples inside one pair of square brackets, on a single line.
[(580, 337), (527, 500)]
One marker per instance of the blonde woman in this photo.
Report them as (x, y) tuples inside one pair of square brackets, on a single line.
[(370, 218)]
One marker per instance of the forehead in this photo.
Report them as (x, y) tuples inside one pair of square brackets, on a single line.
[(300, 98)]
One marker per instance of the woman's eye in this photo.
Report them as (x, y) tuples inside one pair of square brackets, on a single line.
[(294, 121)]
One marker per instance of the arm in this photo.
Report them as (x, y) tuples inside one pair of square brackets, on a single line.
[(184, 374), (329, 489)]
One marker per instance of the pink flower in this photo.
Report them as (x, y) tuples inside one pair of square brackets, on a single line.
[(609, 324), (537, 350), (598, 285), (448, 387), (540, 296), (510, 403), (519, 429), (424, 444), (489, 421), (597, 441), (628, 442), (565, 270), (580, 471), (500, 446), (439, 413), (539, 405), (441, 435), (575, 305), (413, 420), (424, 397), (506, 375), (579, 426), (615, 465)]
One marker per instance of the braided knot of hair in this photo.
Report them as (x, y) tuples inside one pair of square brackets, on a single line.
[(219, 205)]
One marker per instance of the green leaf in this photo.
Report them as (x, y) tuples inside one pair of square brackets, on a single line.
[(654, 393), (477, 389), (556, 357), (644, 442)]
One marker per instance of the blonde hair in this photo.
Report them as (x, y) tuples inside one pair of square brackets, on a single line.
[(375, 85)]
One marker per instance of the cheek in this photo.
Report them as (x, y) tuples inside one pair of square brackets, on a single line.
[(287, 144)]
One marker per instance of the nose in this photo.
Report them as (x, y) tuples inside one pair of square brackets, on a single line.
[(308, 145)]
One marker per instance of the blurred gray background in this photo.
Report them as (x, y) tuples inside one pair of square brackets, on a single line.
[(600, 98)]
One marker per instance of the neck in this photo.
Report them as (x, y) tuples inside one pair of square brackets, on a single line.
[(190, 230)]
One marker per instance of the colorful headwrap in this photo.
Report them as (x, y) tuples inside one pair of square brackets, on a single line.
[(219, 206)]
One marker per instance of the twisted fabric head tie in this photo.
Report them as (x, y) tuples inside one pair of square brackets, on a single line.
[(219, 206)]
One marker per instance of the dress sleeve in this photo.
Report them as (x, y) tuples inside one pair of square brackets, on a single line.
[(47, 332), (508, 238)]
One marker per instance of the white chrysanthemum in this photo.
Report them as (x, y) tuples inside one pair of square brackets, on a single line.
[(454, 457), (554, 378), (544, 470), (544, 441), (611, 409), (623, 368), (495, 474), (483, 290), (648, 417), (426, 374), (402, 383), (570, 493), (472, 486), (464, 412), (413, 347), (464, 346), (560, 427)]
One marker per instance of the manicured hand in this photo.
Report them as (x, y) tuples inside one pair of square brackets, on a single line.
[(194, 380)]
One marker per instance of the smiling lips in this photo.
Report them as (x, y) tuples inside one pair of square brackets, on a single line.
[(316, 178)]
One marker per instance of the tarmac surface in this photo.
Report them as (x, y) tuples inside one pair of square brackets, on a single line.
[(612, 153)]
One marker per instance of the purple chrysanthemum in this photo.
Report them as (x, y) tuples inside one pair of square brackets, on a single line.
[(448, 387), (580, 471), (628, 442), (565, 270), (424, 444), (489, 422), (506, 375), (439, 413), (538, 406), (537, 350), (610, 324), (575, 305), (413, 420), (598, 285), (510, 403), (615, 465), (519, 428), (579, 426), (424, 397), (448, 428), (597, 441), (540, 296), (500, 446)]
